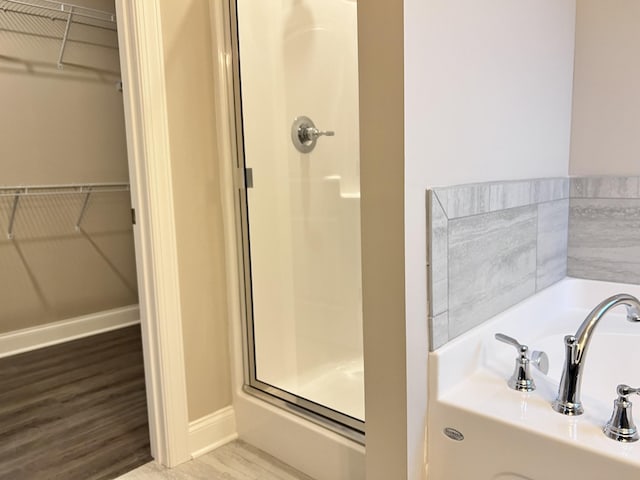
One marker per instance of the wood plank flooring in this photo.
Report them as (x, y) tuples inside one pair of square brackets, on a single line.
[(235, 461), (75, 410)]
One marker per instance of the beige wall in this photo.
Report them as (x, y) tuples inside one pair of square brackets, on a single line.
[(382, 213), (62, 126), (187, 47), (605, 135)]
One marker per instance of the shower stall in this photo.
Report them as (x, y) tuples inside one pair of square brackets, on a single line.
[(296, 91)]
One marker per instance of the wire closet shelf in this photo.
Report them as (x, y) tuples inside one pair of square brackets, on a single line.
[(86, 189), (66, 12)]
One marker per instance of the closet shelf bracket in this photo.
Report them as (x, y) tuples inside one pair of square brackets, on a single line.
[(83, 209), (12, 219), (65, 37)]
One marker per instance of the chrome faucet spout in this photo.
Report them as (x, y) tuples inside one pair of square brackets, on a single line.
[(568, 401)]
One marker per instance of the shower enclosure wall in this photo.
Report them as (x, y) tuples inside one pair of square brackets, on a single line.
[(302, 208)]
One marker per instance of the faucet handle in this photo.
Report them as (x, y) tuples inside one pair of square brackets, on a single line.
[(625, 390), (521, 379), (512, 341), (539, 359), (620, 426)]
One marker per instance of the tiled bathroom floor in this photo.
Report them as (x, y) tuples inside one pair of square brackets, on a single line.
[(234, 461)]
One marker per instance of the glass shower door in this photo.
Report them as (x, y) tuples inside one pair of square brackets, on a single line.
[(299, 101)]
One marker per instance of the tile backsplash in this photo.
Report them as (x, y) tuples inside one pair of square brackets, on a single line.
[(491, 245), (604, 229)]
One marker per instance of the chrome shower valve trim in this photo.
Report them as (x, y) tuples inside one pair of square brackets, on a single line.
[(304, 134)]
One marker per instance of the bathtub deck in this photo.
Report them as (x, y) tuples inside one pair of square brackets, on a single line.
[(234, 461), (74, 411)]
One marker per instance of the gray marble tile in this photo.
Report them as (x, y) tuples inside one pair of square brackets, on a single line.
[(505, 195), (438, 331), (605, 187), (465, 200), (437, 257), (604, 239), (549, 189), (492, 265), (475, 199), (553, 233)]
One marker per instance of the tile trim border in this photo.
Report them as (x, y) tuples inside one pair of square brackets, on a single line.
[(605, 187), (478, 198)]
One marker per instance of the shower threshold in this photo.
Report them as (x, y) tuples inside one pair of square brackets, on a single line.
[(332, 397)]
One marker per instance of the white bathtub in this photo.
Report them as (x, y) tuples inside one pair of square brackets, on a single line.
[(512, 435)]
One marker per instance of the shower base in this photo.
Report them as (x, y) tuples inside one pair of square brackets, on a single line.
[(338, 386)]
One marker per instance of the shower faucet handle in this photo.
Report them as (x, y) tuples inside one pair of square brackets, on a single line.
[(310, 133), (521, 379), (304, 134)]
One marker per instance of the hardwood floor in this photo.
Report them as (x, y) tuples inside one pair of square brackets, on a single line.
[(235, 461), (75, 410)]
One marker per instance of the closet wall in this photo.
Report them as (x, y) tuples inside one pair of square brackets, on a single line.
[(61, 126)]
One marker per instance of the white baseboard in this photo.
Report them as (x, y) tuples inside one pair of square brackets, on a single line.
[(213, 431), (20, 341)]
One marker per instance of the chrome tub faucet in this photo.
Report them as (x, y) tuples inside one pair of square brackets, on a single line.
[(568, 401)]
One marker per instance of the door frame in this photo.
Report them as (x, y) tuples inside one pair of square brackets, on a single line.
[(146, 119)]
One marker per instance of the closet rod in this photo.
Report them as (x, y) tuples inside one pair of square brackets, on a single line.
[(66, 9)]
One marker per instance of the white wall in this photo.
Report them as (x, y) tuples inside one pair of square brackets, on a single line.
[(605, 139), (487, 97)]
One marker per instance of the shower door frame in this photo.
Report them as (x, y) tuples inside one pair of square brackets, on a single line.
[(333, 420)]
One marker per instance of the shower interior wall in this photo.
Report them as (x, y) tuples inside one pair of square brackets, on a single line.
[(304, 209), (62, 126)]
